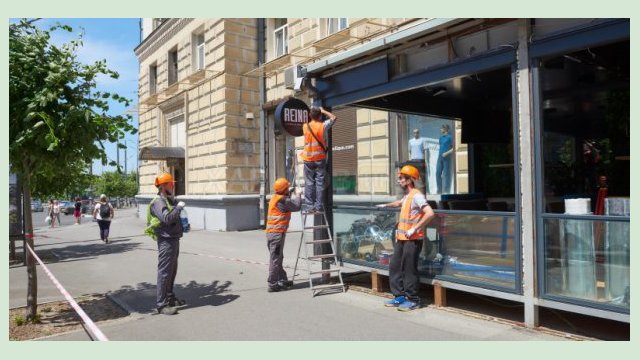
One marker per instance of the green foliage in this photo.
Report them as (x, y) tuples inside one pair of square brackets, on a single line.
[(115, 184), (20, 320), (58, 121)]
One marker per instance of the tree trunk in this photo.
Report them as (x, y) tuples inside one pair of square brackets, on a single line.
[(32, 276)]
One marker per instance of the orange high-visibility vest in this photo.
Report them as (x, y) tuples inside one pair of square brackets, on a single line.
[(407, 221), (312, 150), (277, 221)]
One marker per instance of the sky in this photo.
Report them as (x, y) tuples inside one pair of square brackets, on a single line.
[(113, 40)]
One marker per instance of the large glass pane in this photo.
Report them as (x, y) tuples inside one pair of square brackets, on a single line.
[(585, 112), (588, 260), (586, 127), (479, 248), (466, 248), (366, 236)]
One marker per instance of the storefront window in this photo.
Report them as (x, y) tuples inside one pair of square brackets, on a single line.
[(586, 173)]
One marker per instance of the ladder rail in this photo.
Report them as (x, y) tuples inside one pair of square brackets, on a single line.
[(318, 288)]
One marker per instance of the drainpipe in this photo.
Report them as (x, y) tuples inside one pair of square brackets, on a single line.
[(260, 22)]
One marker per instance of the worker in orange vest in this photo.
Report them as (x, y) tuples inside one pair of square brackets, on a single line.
[(280, 207), (415, 214), (314, 156)]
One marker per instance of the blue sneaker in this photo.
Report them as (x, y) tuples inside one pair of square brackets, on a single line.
[(395, 302), (408, 305)]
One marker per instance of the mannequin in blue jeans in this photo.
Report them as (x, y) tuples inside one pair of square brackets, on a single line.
[(443, 167)]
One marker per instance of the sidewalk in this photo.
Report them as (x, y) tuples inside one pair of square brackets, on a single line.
[(222, 276)]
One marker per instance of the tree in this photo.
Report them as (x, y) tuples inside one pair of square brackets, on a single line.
[(58, 120), (114, 184)]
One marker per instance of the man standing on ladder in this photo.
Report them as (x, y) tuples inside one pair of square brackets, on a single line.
[(403, 267), (314, 156), (280, 207)]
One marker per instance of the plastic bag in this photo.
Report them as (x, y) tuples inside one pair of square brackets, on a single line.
[(47, 220)]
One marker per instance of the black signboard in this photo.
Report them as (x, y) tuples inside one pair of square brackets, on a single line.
[(291, 115)]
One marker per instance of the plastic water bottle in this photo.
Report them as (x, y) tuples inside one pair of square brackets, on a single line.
[(184, 219)]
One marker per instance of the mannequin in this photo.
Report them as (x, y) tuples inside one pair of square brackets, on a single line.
[(417, 149), (443, 166)]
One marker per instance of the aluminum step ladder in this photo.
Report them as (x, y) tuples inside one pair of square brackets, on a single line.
[(321, 268)]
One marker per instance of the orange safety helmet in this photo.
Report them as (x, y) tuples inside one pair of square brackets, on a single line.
[(163, 179), (410, 171), (281, 186)]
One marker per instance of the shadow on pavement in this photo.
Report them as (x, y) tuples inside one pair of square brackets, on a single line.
[(142, 298), (86, 251)]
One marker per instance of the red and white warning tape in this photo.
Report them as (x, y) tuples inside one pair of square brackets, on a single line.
[(85, 318)]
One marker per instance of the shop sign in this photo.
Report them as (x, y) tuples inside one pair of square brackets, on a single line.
[(291, 115)]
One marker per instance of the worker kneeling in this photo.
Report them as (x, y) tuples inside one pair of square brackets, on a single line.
[(280, 207)]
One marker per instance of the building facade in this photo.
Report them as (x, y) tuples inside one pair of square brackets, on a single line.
[(196, 117), (519, 127)]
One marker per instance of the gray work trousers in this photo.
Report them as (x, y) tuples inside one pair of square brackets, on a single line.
[(314, 184), (275, 244), (168, 250)]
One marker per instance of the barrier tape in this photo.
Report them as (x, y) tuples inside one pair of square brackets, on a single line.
[(85, 318)]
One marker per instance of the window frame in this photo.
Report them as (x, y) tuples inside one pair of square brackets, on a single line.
[(285, 45)]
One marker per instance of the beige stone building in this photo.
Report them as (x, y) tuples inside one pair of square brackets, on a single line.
[(196, 117)]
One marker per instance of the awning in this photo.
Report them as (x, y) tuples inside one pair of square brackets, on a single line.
[(160, 153)]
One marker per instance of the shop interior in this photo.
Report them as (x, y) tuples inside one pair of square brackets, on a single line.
[(473, 237), (480, 105)]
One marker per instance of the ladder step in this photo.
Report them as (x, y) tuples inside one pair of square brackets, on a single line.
[(327, 286), (324, 256), (312, 213), (324, 271), (316, 227), (321, 241)]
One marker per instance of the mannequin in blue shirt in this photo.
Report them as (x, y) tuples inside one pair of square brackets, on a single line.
[(443, 166)]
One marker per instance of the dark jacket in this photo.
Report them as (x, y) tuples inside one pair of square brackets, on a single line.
[(170, 225)]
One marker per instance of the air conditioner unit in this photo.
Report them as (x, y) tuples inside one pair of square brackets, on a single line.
[(293, 77)]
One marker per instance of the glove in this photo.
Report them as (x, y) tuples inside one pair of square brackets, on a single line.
[(381, 206), (411, 231), (181, 204)]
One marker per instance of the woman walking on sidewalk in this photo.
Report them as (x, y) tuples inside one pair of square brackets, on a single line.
[(103, 212)]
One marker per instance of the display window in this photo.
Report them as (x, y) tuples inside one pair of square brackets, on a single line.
[(585, 147)]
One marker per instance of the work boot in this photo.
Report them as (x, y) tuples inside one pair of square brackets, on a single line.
[(173, 302), (167, 310), (274, 289)]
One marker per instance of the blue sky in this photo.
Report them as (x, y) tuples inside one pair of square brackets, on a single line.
[(113, 40)]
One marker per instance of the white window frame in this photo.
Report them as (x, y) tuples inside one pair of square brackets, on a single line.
[(177, 132), (284, 48), (338, 23), (198, 52)]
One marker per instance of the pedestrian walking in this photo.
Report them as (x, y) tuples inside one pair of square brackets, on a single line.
[(164, 226), (403, 267), (56, 213), (280, 207), (77, 212), (104, 213), (50, 214), (314, 155)]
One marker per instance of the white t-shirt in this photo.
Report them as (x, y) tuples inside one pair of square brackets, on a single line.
[(97, 208), (416, 148), (56, 208)]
